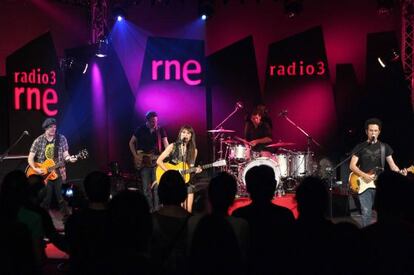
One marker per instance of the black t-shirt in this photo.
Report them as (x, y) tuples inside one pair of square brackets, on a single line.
[(147, 141), (369, 157), (252, 133)]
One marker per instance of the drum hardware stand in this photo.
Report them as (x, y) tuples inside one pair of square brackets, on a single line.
[(310, 139)]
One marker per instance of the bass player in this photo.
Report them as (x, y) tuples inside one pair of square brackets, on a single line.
[(145, 145)]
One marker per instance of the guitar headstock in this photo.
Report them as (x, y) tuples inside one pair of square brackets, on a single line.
[(411, 169), (83, 154), (219, 163)]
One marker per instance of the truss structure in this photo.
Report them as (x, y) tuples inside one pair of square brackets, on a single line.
[(99, 16), (407, 43)]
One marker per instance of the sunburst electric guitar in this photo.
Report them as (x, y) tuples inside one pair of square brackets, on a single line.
[(49, 167), (184, 169), (358, 185)]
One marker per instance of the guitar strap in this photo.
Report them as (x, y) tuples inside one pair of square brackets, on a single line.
[(159, 140), (382, 146), (56, 151)]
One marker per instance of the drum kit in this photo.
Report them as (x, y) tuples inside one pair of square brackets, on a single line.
[(289, 166)]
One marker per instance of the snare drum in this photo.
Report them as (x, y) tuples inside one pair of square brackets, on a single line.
[(261, 161), (239, 153), (302, 164)]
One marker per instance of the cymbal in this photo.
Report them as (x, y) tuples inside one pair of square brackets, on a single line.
[(280, 144), (221, 131)]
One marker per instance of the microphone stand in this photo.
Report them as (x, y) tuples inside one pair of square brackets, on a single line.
[(184, 158), (214, 137), (332, 177), (6, 153), (310, 140)]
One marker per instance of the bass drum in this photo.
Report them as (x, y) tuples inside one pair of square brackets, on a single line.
[(261, 161)]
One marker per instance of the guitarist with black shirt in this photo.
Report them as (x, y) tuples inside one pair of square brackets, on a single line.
[(145, 145), (51, 147), (368, 159)]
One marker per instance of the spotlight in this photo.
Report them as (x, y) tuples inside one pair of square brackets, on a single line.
[(292, 7), (205, 9), (102, 48), (118, 12)]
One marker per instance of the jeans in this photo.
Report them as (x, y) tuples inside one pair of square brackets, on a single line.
[(367, 201), (148, 177), (55, 187)]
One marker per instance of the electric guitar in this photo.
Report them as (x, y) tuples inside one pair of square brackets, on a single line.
[(49, 167), (185, 169), (358, 185), (145, 160)]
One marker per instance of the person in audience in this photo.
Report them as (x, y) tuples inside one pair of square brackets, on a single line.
[(169, 240), (23, 226), (270, 225), (391, 239), (221, 194), (312, 228), (214, 248), (86, 230), (35, 194), (130, 227)]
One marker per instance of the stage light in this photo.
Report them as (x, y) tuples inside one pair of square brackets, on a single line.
[(73, 64), (205, 9), (85, 69), (118, 12), (102, 48), (381, 62), (388, 58), (385, 7), (292, 7)]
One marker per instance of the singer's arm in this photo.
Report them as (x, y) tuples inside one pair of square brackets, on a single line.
[(164, 155)]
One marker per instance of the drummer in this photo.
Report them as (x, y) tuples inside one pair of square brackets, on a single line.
[(258, 132)]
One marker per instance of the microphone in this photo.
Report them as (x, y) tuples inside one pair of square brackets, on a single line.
[(182, 141), (283, 113), (26, 133), (373, 138), (239, 105)]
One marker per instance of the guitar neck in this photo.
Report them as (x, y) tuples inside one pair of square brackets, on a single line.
[(193, 169)]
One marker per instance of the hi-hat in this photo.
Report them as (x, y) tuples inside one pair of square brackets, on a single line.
[(280, 144), (221, 131)]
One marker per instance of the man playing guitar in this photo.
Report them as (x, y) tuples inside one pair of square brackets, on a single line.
[(367, 157), (145, 145), (46, 147)]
